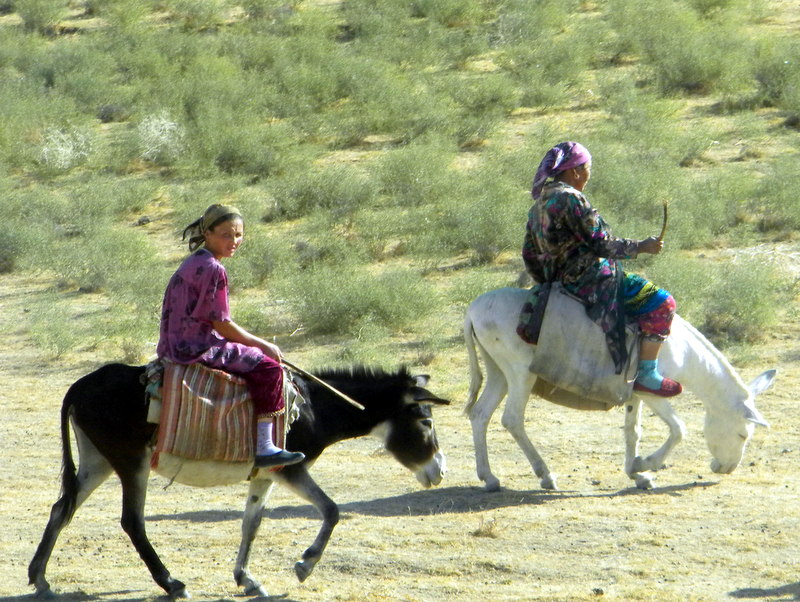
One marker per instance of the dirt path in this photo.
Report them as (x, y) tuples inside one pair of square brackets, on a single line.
[(697, 536)]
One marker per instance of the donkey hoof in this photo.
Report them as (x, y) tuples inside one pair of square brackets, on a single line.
[(257, 591), (302, 570), (179, 593), (643, 481), (548, 482), (492, 485), (45, 594)]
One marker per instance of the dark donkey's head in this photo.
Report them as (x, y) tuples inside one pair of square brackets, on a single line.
[(397, 410)]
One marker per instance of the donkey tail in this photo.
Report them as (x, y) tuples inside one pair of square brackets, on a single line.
[(69, 476), (475, 375)]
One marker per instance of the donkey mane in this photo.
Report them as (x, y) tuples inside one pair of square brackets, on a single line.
[(365, 375)]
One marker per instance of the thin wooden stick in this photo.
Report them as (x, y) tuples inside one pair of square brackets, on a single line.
[(664, 225), (333, 390)]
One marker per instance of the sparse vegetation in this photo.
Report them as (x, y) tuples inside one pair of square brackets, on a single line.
[(371, 143)]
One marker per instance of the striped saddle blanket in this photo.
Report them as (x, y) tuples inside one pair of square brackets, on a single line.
[(205, 414)]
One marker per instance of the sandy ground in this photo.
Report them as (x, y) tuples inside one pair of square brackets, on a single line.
[(696, 536)]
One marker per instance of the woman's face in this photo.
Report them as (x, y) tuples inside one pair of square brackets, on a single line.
[(582, 175), (223, 239)]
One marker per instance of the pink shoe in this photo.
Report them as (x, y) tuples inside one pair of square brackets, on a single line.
[(669, 388)]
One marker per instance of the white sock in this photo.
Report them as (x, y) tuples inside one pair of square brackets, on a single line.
[(264, 444)]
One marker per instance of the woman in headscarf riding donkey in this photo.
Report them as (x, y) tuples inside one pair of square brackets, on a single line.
[(567, 241)]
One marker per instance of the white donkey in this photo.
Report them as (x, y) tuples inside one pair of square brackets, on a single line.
[(490, 324)]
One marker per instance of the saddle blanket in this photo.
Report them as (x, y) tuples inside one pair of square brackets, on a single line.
[(572, 359), (207, 414)]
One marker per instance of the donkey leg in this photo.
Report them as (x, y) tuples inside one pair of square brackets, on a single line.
[(257, 497), (514, 421), (134, 493), (94, 469), (634, 465), (493, 393), (300, 482), (677, 431)]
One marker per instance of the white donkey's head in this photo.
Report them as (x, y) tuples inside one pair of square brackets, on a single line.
[(727, 433)]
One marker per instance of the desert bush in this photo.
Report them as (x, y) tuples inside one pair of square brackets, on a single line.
[(343, 298), (416, 174), (338, 190), (198, 15), (544, 66), (743, 303), (450, 13), (482, 215), (425, 42), (85, 72), (28, 115), (482, 101), (258, 259), (518, 18), (774, 202), (51, 330), (732, 300), (684, 53), (709, 208), (161, 139), (39, 16), (64, 149)]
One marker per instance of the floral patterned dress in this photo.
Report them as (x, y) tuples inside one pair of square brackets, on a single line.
[(567, 241)]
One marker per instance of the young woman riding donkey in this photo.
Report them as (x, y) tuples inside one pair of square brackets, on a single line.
[(196, 326)]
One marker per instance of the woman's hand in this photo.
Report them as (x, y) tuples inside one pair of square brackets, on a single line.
[(231, 331), (651, 245), (271, 350)]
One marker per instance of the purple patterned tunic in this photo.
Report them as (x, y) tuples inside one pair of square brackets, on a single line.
[(196, 296)]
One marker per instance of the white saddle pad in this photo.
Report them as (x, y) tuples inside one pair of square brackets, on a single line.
[(572, 355)]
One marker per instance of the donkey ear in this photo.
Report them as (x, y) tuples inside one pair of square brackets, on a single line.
[(762, 382), (421, 395), (754, 416), (421, 379)]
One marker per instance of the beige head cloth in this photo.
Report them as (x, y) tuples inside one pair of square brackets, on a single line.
[(215, 214)]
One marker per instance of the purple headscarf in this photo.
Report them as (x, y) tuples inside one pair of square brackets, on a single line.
[(560, 158)]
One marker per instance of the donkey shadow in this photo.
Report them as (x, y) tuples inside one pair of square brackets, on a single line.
[(443, 500), (784, 592)]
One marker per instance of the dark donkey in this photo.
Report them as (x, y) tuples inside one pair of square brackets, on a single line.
[(109, 416)]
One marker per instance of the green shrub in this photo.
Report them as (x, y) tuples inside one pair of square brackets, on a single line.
[(482, 215), (40, 16), (339, 190), (742, 307), (684, 53), (342, 299), (198, 15), (775, 203), (734, 300), (450, 13), (417, 174)]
